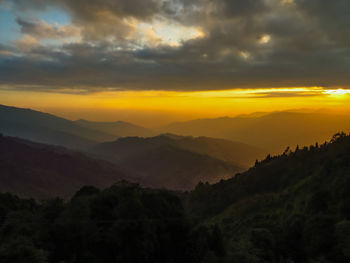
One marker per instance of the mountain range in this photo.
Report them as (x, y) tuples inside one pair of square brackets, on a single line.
[(47, 128), (291, 207), (170, 161), (37, 170), (271, 131), (178, 162), (117, 128), (40, 171)]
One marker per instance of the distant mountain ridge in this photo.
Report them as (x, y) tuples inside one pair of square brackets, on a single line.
[(271, 131), (117, 128), (225, 150), (37, 170), (47, 128), (170, 161), (178, 162)]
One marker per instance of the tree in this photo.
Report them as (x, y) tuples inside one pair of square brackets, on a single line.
[(22, 250), (342, 234), (318, 235), (264, 244), (216, 242)]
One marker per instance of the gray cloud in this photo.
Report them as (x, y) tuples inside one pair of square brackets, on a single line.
[(306, 44), (136, 8), (43, 30)]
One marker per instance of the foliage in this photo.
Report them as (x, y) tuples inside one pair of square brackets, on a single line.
[(123, 223), (293, 207), (286, 209)]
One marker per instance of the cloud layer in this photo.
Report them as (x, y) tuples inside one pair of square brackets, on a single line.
[(222, 44)]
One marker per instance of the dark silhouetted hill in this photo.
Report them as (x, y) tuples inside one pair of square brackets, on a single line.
[(37, 170)]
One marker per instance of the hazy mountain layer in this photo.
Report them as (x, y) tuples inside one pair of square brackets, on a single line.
[(47, 128), (118, 128), (271, 131), (37, 170), (226, 150), (178, 162)]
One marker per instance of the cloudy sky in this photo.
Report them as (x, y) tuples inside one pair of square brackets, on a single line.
[(285, 48)]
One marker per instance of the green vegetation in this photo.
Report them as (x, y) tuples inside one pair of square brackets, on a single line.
[(123, 223), (289, 208)]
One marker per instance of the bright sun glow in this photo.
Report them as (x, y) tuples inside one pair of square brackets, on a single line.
[(337, 92)]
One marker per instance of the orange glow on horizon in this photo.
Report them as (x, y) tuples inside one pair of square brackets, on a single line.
[(171, 106)]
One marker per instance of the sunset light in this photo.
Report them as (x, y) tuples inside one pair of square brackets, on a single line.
[(174, 131), (337, 92), (163, 107)]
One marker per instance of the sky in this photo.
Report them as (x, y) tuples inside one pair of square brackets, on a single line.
[(157, 61)]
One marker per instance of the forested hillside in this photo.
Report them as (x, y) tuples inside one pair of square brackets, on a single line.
[(294, 207), (123, 223), (289, 208)]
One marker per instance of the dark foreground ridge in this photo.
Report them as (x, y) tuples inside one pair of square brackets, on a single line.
[(123, 223), (289, 208)]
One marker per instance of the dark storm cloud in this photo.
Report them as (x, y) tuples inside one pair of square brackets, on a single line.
[(247, 43), (234, 8), (333, 17)]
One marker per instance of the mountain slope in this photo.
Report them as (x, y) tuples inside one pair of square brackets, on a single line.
[(288, 208), (178, 162), (294, 207), (177, 169), (275, 174), (234, 152), (118, 128), (47, 128), (38, 170), (271, 131)]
